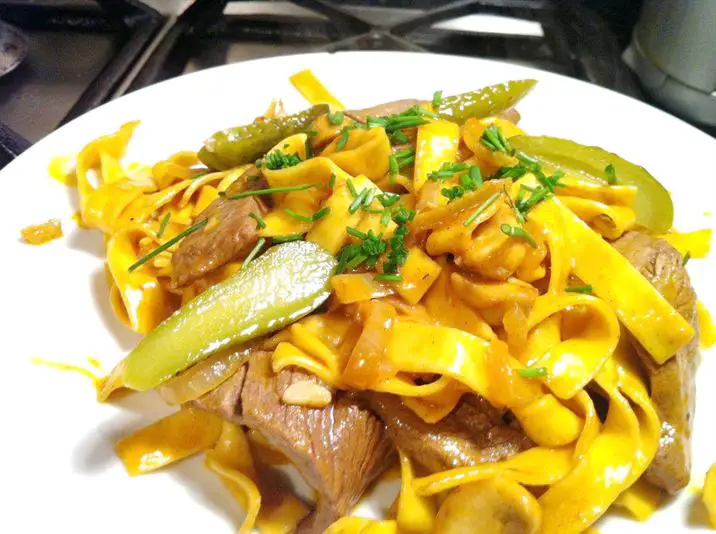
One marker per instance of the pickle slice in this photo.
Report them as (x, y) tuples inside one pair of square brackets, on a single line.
[(286, 283)]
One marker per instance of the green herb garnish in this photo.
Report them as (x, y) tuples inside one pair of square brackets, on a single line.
[(687, 257), (452, 193), (494, 140), (535, 372), (163, 224), (161, 248), (254, 252), (336, 119), (271, 190), (278, 160), (387, 277), (260, 223), (586, 289), (521, 233), (343, 140), (388, 199), (611, 174), (332, 180), (286, 238), (385, 218), (479, 211), (437, 99)]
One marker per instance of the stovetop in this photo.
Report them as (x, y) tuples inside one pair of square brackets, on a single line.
[(82, 53)]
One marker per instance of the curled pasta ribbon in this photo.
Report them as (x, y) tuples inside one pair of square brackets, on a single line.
[(483, 367), (231, 458), (366, 152), (143, 302), (538, 466), (615, 460), (90, 159), (448, 309), (362, 525), (589, 334), (483, 248), (609, 221), (493, 299), (416, 513)]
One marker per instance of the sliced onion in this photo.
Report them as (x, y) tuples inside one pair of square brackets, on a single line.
[(204, 376), (368, 364)]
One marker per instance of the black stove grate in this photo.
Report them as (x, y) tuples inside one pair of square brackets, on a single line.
[(135, 24), (576, 41)]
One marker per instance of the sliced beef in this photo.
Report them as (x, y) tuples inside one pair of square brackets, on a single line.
[(474, 433), (672, 384), (382, 110), (339, 449), (229, 234)]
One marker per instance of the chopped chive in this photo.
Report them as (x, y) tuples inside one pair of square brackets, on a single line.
[(369, 197), (286, 238), (385, 218), (358, 201), (161, 248), (332, 181), (254, 252), (535, 372), (309, 152), (356, 261), (405, 153), (352, 188), (260, 223), (521, 233), (611, 174), (310, 133), (393, 165), (475, 175), (297, 216), (368, 209), (437, 99), (271, 191), (586, 289), (687, 257), (518, 214), (341, 144), (495, 140), (163, 224), (253, 178), (387, 277), (197, 176), (336, 119), (489, 202), (388, 199), (321, 213), (398, 138), (356, 233)]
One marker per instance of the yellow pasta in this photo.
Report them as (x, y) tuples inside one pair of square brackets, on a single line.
[(463, 271)]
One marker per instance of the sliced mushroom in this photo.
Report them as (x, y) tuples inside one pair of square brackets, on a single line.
[(493, 506)]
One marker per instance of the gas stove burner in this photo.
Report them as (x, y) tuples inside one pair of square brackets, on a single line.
[(13, 47)]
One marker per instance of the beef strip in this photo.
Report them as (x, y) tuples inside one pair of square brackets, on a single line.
[(672, 383), (230, 233), (474, 433), (382, 110), (338, 450)]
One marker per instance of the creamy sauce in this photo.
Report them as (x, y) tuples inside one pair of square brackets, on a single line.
[(93, 370), (707, 328)]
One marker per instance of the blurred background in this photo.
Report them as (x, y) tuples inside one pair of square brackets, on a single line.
[(61, 58)]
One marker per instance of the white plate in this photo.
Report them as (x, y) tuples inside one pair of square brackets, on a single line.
[(56, 444)]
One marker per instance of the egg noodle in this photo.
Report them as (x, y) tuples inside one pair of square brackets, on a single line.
[(529, 312)]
